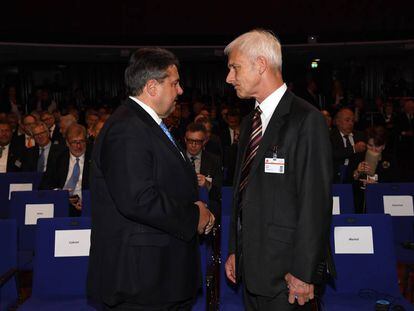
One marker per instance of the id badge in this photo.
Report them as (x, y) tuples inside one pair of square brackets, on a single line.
[(274, 165)]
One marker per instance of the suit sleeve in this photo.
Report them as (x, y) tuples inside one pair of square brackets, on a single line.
[(313, 182), (127, 162)]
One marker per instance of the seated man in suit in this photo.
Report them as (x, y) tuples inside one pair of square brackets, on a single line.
[(54, 131), (25, 141), (347, 144), (10, 157), (71, 169), (44, 153), (64, 123), (207, 166)]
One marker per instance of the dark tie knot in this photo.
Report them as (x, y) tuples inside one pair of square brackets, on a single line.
[(257, 112)]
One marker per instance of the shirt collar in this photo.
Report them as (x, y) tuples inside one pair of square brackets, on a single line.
[(73, 158), (148, 109), (47, 147), (196, 157), (343, 135), (270, 103)]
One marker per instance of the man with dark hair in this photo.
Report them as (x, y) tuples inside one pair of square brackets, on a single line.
[(54, 131), (10, 157), (145, 210), (207, 166)]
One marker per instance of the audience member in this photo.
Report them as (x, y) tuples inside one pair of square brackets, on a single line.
[(346, 144), (10, 156)]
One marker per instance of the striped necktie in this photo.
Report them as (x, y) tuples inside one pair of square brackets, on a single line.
[(255, 138)]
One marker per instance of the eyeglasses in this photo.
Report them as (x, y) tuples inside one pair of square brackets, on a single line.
[(194, 141), (40, 134), (77, 142)]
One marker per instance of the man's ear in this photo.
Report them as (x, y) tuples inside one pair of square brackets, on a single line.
[(151, 87), (261, 64)]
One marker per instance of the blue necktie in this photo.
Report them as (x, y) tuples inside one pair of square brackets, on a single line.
[(167, 132), (73, 180), (41, 161)]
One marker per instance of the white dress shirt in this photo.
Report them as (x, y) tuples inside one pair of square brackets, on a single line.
[(269, 105), (72, 162), (3, 159)]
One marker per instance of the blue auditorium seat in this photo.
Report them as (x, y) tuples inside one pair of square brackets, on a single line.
[(346, 198), (364, 278), (59, 282)]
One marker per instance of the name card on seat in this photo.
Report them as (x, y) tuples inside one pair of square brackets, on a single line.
[(20, 187), (36, 211), (336, 210), (398, 205), (353, 240), (72, 243)]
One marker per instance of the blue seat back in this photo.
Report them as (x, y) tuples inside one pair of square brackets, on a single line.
[(346, 197), (374, 194), (15, 178), (375, 271), (8, 260), (226, 200), (58, 277), (26, 233)]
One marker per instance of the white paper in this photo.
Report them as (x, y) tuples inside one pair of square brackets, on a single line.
[(398, 205), (72, 243), (353, 240), (20, 187), (336, 206), (36, 211)]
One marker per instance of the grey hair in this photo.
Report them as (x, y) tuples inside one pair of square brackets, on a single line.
[(39, 124), (258, 42)]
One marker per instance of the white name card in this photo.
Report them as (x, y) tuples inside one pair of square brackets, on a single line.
[(353, 240), (336, 206), (36, 211), (398, 205), (72, 243), (20, 187)]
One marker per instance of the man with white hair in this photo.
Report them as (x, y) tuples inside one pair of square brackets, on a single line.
[(282, 188)]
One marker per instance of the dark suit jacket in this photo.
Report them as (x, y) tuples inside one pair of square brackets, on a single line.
[(57, 173), (14, 159), (57, 137), (31, 157), (211, 165), (144, 242), (340, 153), (285, 217)]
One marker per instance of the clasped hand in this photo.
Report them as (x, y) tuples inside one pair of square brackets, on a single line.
[(206, 220)]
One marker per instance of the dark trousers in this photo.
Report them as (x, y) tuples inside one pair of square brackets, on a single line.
[(254, 302)]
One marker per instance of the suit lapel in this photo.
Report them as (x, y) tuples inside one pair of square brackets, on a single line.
[(147, 119), (273, 129)]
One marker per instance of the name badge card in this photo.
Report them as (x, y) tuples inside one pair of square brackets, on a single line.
[(275, 165), (353, 240), (20, 187), (36, 211), (72, 243), (398, 205), (336, 206)]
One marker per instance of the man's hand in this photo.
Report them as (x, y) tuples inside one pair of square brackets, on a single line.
[(231, 268), (202, 181), (206, 220), (360, 146), (299, 290)]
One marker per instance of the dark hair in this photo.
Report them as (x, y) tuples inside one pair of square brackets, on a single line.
[(196, 127), (378, 135), (146, 64), (233, 112)]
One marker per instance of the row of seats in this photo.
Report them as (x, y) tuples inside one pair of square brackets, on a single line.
[(230, 297)]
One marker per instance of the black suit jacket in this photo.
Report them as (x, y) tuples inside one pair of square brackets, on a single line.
[(57, 172), (14, 159), (211, 165), (340, 153), (144, 242), (57, 137), (31, 157), (285, 217)]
